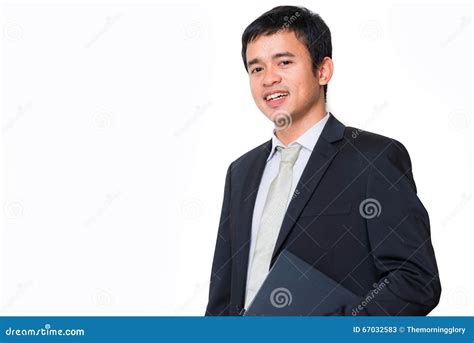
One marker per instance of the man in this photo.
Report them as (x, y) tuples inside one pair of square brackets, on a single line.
[(341, 199)]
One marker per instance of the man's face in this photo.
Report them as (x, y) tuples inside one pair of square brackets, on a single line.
[(279, 64)]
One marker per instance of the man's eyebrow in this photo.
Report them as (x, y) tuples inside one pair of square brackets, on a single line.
[(277, 55)]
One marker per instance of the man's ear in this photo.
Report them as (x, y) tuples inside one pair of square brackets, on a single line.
[(325, 70)]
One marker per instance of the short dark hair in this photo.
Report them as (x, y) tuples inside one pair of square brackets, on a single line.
[(308, 27)]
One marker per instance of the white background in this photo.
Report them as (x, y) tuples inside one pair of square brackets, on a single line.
[(119, 121)]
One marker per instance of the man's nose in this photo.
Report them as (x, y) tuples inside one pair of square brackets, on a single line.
[(271, 78)]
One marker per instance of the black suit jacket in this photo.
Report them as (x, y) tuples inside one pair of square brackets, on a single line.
[(355, 216)]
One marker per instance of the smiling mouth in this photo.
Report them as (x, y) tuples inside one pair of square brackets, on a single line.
[(276, 99), (275, 96)]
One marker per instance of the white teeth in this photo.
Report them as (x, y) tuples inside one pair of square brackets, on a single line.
[(275, 95)]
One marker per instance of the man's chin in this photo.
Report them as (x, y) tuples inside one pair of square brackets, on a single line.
[(281, 118), (277, 111)]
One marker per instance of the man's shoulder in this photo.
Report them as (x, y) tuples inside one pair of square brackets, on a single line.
[(356, 140), (247, 158), (371, 143)]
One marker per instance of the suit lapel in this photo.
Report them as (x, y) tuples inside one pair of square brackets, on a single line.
[(320, 159), (245, 214)]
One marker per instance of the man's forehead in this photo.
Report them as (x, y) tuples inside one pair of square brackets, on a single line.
[(267, 46), (276, 38)]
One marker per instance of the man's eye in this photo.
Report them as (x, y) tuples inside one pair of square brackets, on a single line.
[(256, 70), (286, 62)]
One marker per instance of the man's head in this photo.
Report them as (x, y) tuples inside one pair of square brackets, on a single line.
[(288, 50)]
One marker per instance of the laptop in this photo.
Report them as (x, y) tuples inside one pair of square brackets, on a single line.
[(295, 288)]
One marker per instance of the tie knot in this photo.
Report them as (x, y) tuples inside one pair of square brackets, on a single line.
[(289, 154)]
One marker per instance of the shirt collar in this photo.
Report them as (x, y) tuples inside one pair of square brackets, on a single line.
[(307, 140)]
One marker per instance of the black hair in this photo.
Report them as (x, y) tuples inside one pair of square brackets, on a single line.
[(308, 27)]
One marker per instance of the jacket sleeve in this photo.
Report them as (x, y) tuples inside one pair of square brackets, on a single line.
[(400, 242), (220, 280)]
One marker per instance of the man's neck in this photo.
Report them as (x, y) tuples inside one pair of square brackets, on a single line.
[(298, 128)]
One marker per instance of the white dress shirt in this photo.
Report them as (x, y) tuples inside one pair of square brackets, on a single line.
[(307, 140)]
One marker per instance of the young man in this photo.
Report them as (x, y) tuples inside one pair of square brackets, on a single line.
[(341, 199)]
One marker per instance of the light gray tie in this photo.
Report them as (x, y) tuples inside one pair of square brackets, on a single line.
[(271, 220)]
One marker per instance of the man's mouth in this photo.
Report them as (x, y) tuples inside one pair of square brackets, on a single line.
[(276, 99)]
